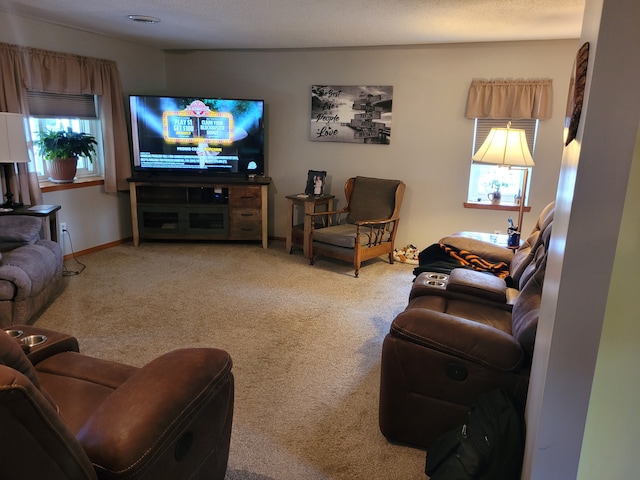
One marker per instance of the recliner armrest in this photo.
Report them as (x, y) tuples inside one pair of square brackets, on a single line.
[(169, 415), (477, 284), (486, 250), (36, 442), (460, 337)]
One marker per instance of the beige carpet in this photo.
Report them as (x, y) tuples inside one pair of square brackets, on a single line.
[(305, 342)]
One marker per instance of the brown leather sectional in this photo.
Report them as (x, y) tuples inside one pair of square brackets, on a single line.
[(462, 334)]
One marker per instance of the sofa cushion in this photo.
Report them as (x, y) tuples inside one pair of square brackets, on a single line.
[(19, 229), (526, 311)]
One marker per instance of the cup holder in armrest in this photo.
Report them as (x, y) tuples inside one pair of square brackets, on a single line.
[(434, 279), (437, 276), (33, 340), (14, 333), (428, 283)]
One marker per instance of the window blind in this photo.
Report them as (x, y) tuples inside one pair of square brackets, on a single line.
[(484, 126), (60, 105)]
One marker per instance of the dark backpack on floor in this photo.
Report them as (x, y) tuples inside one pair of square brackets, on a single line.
[(488, 445)]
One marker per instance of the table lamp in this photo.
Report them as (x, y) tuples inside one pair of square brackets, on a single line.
[(507, 147), (13, 149)]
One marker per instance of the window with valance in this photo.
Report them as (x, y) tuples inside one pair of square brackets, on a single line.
[(493, 103), (25, 69)]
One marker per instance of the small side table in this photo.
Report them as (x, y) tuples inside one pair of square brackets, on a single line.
[(301, 233), (48, 214)]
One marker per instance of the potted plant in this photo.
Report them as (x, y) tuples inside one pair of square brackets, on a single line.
[(62, 149)]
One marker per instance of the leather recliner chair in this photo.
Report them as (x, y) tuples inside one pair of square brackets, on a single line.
[(69, 416)]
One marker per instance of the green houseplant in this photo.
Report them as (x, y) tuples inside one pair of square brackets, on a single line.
[(62, 149)]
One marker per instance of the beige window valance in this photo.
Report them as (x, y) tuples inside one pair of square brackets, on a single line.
[(24, 68), (515, 99)]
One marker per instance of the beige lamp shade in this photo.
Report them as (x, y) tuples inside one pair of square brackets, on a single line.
[(505, 147), (13, 143)]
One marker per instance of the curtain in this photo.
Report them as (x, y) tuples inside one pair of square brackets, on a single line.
[(54, 72), (515, 99), (23, 183)]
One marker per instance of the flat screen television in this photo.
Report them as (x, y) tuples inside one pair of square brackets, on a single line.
[(195, 136)]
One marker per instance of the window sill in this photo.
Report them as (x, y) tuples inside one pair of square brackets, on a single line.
[(504, 206), (82, 182)]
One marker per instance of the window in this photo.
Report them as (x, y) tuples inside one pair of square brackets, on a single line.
[(484, 177), (53, 111)]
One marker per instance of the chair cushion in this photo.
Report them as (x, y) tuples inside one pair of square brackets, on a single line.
[(19, 229), (344, 235), (372, 199)]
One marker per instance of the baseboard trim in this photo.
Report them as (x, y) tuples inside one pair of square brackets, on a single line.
[(120, 242), (98, 248)]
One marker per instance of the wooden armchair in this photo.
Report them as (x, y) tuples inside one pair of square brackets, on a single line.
[(365, 228)]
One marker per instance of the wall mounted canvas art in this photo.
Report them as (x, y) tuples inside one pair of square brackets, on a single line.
[(351, 114)]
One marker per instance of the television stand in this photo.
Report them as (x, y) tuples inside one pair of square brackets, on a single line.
[(175, 208)]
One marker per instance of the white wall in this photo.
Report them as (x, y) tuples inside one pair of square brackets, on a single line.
[(93, 217), (587, 325), (431, 140), (613, 421)]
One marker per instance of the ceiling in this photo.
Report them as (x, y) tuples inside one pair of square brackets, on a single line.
[(250, 24)]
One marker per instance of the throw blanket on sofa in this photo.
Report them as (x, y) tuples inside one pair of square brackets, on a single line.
[(443, 258)]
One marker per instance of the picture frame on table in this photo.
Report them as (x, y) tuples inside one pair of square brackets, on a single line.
[(315, 183)]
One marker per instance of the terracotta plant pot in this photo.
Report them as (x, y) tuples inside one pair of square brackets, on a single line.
[(63, 170)]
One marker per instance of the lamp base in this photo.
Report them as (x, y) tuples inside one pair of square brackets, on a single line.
[(11, 204)]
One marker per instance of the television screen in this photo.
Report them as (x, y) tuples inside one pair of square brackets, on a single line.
[(197, 136)]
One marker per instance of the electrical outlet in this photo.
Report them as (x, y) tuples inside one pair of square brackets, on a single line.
[(63, 230)]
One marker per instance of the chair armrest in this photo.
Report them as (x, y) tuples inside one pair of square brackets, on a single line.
[(183, 395), (381, 221), (326, 221), (30, 267), (459, 337), (36, 440), (477, 284), (331, 212), (19, 278)]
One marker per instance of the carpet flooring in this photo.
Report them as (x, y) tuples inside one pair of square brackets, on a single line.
[(305, 342)]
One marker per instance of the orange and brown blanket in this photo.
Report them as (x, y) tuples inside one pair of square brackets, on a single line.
[(441, 257)]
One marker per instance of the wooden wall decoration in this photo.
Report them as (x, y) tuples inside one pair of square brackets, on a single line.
[(576, 93)]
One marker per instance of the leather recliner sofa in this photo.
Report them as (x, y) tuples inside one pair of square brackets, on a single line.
[(65, 415), (449, 346)]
